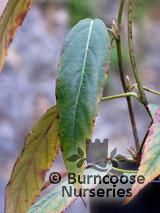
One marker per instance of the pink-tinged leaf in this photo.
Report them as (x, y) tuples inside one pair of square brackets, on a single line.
[(10, 20), (150, 159)]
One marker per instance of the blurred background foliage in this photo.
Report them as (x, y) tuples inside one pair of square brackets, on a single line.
[(81, 9), (27, 83), (144, 7), (89, 8)]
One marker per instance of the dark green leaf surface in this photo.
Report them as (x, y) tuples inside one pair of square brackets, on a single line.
[(81, 78)]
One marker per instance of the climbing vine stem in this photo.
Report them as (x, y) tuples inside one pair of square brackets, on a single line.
[(123, 95), (132, 56), (123, 77)]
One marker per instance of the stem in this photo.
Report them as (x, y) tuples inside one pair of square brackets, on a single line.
[(143, 142), (151, 90), (134, 86), (123, 80), (123, 95), (120, 13), (123, 170), (132, 57)]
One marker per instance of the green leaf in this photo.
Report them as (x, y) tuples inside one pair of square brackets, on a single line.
[(150, 162), (10, 20), (81, 77), (41, 148), (55, 202), (73, 158)]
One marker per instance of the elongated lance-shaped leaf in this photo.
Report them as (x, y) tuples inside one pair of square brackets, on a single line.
[(57, 201), (41, 148), (150, 162), (10, 20), (81, 77)]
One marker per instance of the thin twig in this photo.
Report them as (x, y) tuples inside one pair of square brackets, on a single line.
[(123, 95), (132, 57), (151, 91), (123, 80), (124, 170), (134, 86), (143, 142), (120, 12)]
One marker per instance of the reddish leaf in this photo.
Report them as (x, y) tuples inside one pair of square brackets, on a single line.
[(10, 20), (150, 162)]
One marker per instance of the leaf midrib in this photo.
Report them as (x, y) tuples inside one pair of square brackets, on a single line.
[(83, 70)]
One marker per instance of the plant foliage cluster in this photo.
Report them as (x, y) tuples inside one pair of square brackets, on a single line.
[(82, 75)]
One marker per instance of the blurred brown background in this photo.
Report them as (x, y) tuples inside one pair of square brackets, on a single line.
[(27, 83)]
